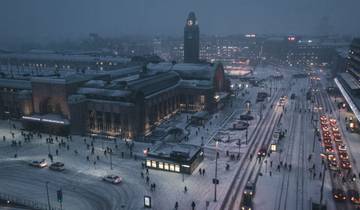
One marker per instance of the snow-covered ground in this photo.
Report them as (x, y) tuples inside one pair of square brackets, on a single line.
[(81, 181)]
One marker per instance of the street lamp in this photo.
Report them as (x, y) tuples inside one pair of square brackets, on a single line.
[(215, 180), (47, 194)]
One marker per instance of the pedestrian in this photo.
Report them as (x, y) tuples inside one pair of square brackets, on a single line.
[(185, 189), (251, 156), (147, 179), (203, 172), (200, 171), (270, 163), (57, 152), (142, 175), (147, 171), (154, 186), (176, 205), (193, 205), (87, 158), (289, 167), (122, 154), (309, 158), (278, 167)]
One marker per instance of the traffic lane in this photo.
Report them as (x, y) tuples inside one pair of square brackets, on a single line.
[(83, 192)]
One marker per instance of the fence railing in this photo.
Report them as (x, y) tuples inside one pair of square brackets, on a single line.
[(26, 202)]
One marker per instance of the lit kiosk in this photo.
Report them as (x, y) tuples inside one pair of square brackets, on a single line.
[(180, 158)]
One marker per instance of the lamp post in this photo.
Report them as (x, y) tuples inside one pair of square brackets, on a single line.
[(110, 151), (215, 179), (47, 194), (322, 186)]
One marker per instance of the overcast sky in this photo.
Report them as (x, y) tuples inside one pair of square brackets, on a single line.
[(59, 19)]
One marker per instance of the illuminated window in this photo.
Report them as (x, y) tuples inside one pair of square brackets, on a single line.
[(166, 166), (148, 163), (172, 167), (202, 99), (153, 164), (177, 168), (161, 165)]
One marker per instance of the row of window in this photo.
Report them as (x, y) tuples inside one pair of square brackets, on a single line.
[(163, 165)]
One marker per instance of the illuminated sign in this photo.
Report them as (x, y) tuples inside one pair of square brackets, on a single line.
[(147, 201), (291, 38), (43, 120)]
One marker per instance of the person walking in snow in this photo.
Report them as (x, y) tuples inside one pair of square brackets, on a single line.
[(193, 205), (176, 205)]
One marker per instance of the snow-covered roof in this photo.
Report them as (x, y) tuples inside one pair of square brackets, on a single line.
[(103, 92), (53, 56), (351, 81), (166, 150), (12, 83)]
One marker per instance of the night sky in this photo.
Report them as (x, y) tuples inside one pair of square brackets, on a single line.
[(60, 19)]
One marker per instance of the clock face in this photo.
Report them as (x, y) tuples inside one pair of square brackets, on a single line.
[(190, 22)]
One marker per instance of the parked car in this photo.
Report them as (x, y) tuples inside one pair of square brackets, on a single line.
[(57, 166), (38, 163), (112, 179)]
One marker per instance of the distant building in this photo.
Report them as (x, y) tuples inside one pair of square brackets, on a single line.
[(191, 40), (128, 102), (348, 82)]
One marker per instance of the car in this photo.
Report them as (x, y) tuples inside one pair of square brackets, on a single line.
[(262, 152), (341, 147), (332, 121), (329, 149), (335, 129), (339, 194), (343, 156), (112, 179), (354, 196), (345, 164), (246, 203), (38, 163), (333, 166), (338, 140), (326, 133), (337, 136), (325, 128), (331, 157), (57, 166), (323, 118), (249, 188)]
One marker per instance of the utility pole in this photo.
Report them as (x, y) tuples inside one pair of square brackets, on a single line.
[(215, 179), (110, 151), (47, 194), (322, 186)]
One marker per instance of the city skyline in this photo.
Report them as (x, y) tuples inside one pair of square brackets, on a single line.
[(46, 21)]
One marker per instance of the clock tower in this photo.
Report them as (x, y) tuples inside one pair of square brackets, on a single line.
[(191, 39)]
